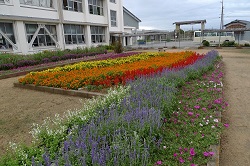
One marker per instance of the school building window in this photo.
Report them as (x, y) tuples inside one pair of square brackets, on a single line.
[(72, 5), (74, 34), (41, 3), (42, 38), (6, 33), (96, 7), (97, 34), (113, 18)]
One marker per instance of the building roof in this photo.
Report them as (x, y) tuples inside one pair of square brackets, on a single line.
[(238, 21), (190, 22), (131, 14)]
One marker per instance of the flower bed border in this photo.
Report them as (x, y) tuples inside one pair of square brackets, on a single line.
[(77, 93)]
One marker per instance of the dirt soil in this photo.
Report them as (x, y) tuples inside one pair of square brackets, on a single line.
[(235, 143), (19, 108)]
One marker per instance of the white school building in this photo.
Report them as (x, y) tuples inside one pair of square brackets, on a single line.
[(30, 26)]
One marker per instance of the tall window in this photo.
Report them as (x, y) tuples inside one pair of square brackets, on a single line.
[(73, 34), (96, 7), (72, 5), (113, 18), (113, 1), (42, 3), (7, 30), (43, 38), (97, 34)]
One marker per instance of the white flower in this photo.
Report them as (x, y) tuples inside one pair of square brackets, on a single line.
[(206, 123), (164, 147), (213, 127), (216, 120), (201, 124)]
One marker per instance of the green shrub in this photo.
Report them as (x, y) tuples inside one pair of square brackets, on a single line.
[(109, 47), (118, 48), (247, 45), (206, 43), (228, 44)]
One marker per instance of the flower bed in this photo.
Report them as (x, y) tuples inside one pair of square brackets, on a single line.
[(167, 118), (106, 73), (12, 61), (39, 67)]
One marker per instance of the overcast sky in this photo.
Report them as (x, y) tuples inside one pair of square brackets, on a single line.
[(161, 14)]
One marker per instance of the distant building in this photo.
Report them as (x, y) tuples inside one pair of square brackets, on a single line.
[(130, 22), (237, 25), (30, 26)]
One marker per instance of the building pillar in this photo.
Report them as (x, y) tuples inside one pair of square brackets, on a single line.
[(130, 41), (124, 41), (107, 35), (60, 36), (202, 31), (21, 39), (88, 36)]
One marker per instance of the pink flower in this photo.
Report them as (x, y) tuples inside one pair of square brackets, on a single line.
[(197, 107), (199, 99), (190, 158), (208, 154), (192, 152), (190, 113), (197, 115), (204, 109), (218, 101), (226, 125), (211, 153), (181, 160), (185, 149), (192, 165), (159, 162), (175, 154)]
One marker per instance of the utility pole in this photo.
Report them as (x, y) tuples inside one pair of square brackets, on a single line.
[(222, 21)]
